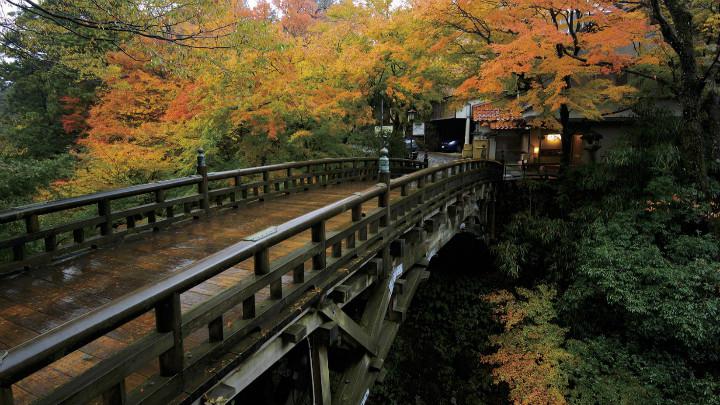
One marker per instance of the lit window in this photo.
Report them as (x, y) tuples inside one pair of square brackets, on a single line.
[(554, 137)]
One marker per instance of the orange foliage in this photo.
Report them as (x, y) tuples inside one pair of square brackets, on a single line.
[(297, 15), (530, 355), (73, 119), (546, 53)]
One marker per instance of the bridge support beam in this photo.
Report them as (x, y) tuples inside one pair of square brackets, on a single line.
[(319, 371)]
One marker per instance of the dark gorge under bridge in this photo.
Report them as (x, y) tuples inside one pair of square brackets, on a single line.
[(316, 255)]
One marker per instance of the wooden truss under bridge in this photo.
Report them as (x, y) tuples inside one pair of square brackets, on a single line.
[(210, 328)]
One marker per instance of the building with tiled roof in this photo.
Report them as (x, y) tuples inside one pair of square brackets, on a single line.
[(502, 134)]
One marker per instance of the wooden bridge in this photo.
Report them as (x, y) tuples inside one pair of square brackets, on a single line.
[(103, 301)]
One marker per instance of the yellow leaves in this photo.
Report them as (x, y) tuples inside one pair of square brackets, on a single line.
[(299, 135)]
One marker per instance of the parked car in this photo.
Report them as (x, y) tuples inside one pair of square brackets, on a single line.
[(411, 148), (451, 146)]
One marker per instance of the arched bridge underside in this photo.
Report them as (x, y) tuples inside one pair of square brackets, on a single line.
[(259, 262)]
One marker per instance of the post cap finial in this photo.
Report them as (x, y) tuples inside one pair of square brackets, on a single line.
[(384, 165), (201, 157)]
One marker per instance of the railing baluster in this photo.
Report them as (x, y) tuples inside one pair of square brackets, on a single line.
[(79, 235), (266, 182), (104, 211), (203, 188), (32, 224), (299, 273), (159, 199), (215, 330), (356, 217), (384, 177), (248, 306), (168, 319), (318, 236), (6, 395), (152, 218), (50, 242), (421, 191), (384, 202), (288, 175), (116, 395), (237, 194)]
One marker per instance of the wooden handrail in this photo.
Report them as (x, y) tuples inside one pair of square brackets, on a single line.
[(159, 208), (18, 213)]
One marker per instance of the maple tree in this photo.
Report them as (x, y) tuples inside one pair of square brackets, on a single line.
[(530, 355), (132, 136), (548, 58)]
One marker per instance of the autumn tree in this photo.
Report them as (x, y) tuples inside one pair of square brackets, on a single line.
[(549, 57), (132, 135), (530, 355), (191, 24)]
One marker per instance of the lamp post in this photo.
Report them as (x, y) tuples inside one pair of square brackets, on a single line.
[(411, 115), (411, 120), (467, 147)]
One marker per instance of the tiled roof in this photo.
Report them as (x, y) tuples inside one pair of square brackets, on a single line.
[(488, 115)]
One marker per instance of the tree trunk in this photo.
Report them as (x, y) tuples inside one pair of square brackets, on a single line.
[(712, 111), (679, 32), (566, 138), (692, 142)]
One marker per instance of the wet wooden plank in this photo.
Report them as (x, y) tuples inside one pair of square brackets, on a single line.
[(12, 334)]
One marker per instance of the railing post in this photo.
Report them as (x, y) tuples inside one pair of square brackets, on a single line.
[(288, 175), (318, 236), (203, 186), (266, 182), (384, 177), (104, 211), (6, 395), (216, 332), (421, 186), (116, 395), (237, 194), (168, 319), (32, 225), (299, 273), (356, 217)]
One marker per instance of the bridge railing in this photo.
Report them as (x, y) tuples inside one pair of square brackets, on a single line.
[(236, 313), (531, 171), (38, 233)]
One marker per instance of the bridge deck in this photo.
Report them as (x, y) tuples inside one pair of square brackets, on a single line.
[(39, 300)]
